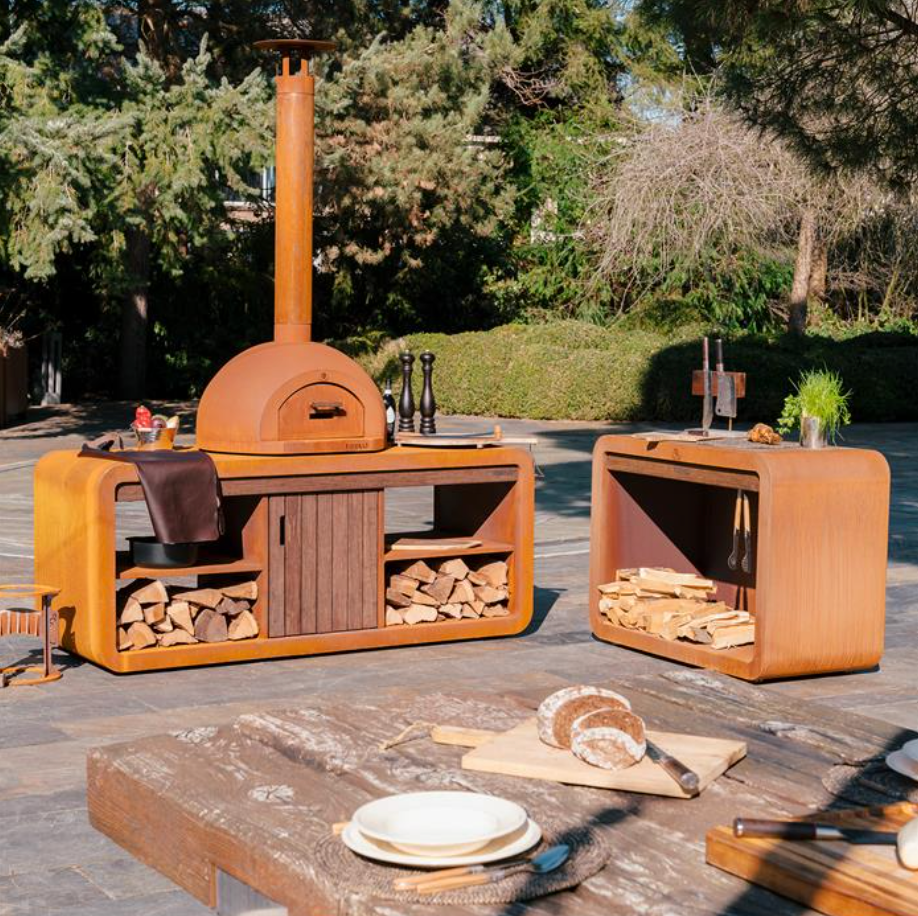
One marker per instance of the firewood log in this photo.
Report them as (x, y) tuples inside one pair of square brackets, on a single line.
[(141, 635), (456, 568), (470, 612), (729, 637), (419, 613), (440, 589), (176, 637), (393, 617), (231, 608), (154, 613), (404, 584), (132, 612), (475, 579), (489, 594), (421, 571), (495, 574), (244, 590), (209, 626), (451, 610), (152, 591), (496, 610), (124, 639), (420, 597), (463, 592), (180, 614), (243, 626), (164, 626), (397, 599), (203, 597)]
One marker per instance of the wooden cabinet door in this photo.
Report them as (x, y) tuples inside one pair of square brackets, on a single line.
[(324, 559)]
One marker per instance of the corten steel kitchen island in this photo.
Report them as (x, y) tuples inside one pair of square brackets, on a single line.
[(819, 527), (310, 530)]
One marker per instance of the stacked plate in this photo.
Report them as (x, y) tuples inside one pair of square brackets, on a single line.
[(440, 829), (905, 760)]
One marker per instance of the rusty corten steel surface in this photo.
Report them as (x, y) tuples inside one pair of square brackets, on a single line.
[(292, 396)]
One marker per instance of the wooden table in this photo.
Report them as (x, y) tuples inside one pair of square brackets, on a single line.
[(214, 798)]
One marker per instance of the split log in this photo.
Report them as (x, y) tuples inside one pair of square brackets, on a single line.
[(456, 568), (451, 610), (440, 589), (180, 614), (398, 599), (243, 626), (124, 639), (164, 626), (141, 635), (204, 597), (404, 584), (231, 608), (490, 595), (496, 610), (421, 571), (151, 592), (470, 612), (393, 617), (247, 591), (730, 637), (132, 612), (420, 597), (494, 574), (209, 626), (463, 592), (419, 613), (476, 579), (176, 637), (154, 613)]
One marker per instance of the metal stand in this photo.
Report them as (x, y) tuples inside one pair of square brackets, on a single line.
[(13, 675)]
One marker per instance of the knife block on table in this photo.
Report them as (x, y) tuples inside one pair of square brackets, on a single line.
[(819, 520)]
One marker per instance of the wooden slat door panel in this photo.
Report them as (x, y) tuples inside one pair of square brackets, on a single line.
[(325, 552)]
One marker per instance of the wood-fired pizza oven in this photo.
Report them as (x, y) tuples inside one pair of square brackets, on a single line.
[(292, 396)]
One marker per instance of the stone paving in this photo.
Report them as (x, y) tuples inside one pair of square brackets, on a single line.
[(52, 862)]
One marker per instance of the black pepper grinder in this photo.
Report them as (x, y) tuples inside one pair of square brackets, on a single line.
[(428, 404), (406, 401)]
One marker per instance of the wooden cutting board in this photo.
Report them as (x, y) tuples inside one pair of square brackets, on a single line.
[(519, 752), (841, 879)]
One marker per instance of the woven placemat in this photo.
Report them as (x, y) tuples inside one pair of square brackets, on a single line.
[(351, 874)]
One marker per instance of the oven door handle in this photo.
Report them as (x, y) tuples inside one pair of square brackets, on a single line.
[(326, 408)]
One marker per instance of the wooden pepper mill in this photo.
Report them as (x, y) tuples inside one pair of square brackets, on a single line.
[(406, 401), (428, 404)]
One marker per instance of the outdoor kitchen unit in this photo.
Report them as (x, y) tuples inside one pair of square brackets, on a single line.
[(309, 562), (292, 396)]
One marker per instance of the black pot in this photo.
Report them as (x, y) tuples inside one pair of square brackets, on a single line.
[(147, 551)]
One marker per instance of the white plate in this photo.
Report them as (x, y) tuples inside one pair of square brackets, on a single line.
[(902, 763), (439, 823), (516, 844), (910, 749)]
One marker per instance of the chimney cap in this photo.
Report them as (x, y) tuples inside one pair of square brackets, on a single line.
[(304, 47)]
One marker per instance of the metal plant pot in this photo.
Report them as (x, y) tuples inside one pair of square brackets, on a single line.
[(812, 432)]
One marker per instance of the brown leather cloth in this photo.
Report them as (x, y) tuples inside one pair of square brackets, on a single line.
[(181, 488)]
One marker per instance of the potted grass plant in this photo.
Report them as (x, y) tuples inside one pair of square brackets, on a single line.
[(819, 408)]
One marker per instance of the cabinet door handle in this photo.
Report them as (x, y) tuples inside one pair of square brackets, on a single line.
[(326, 408)]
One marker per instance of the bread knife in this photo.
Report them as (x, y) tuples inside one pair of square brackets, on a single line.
[(686, 779)]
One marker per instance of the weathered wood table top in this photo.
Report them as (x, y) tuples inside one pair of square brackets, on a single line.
[(253, 798)]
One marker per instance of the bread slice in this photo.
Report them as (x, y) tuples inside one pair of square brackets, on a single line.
[(609, 738), (557, 712)]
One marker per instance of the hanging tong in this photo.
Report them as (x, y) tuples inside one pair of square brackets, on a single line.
[(747, 535), (742, 522), (733, 559)]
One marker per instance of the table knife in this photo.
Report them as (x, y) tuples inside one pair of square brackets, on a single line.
[(686, 779)]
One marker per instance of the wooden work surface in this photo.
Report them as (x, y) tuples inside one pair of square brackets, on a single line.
[(254, 797)]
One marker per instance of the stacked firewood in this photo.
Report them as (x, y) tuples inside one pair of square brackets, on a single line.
[(420, 594), (150, 614), (674, 605)]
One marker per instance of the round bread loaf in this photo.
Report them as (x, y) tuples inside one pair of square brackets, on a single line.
[(609, 738), (557, 712)]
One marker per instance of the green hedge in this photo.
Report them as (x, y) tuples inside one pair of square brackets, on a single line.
[(573, 370)]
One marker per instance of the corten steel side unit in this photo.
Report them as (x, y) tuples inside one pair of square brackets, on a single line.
[(819, 523), (309, 529)]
